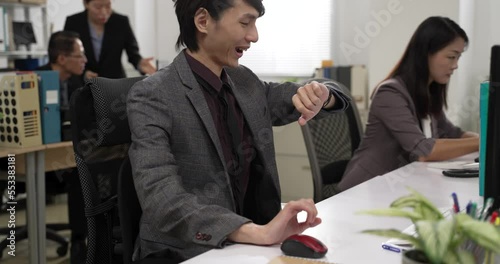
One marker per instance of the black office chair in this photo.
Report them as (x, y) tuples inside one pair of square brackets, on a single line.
[(101, 138), (330, 144), (129, 209)]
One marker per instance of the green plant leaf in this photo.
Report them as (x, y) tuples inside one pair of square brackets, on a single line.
[(460, 257), (436, 237), (420, 204), (393, 233), (458, 241), (405, 201), (462, 218), (394, 212), (427, 208), (428, 213), (483, 233), (442, 240)]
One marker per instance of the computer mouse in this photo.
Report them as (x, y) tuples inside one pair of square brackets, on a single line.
[(303, 246)]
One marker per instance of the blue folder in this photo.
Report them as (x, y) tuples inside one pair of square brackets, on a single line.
[(48, 83)]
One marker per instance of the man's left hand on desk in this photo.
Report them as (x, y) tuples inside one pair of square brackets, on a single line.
[(283, 225)]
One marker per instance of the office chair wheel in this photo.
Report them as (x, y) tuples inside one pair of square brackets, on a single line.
[(62, 250)]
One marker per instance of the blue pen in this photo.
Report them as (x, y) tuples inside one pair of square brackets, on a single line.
[(396, 248), (391, 248), (468, 208), (456, 206)]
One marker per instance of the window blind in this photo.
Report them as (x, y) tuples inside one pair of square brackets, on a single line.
[(294, 36)]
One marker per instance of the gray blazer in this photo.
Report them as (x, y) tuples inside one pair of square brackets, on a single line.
[(393, 136), (178, 164)]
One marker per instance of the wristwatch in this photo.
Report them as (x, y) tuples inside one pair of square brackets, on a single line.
[(330, 95)]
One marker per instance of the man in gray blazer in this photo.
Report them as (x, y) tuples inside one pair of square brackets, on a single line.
[(202, 148)]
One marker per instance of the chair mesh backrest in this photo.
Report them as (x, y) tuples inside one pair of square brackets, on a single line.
[(331, 139), (101, 138)]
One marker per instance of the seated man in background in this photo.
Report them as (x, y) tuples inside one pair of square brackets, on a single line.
[(67, 56), (202, 150)]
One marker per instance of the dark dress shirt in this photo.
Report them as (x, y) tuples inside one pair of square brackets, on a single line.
[(233, 132)]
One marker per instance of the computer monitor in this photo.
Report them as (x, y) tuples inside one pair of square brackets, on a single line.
[(23, 33), (492, 157)]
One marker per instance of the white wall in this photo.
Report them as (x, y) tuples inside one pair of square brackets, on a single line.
[(167, 30), (480, 21), (387, 47), (375, 33), (350, 16), (145, 25), (58, 10)]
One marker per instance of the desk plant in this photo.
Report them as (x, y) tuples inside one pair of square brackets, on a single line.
[(438, 239)]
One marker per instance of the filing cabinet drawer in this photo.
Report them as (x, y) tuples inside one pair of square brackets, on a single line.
[(295, 177)]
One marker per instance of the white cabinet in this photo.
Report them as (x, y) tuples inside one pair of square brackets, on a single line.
[(293, 163)]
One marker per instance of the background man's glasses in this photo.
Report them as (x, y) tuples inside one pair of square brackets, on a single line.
[(77, 56)]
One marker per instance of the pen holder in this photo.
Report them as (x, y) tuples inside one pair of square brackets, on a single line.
[(491, 258), (480, 255), (477, 251)]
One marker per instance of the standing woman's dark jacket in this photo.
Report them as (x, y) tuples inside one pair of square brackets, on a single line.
[(118, 36)]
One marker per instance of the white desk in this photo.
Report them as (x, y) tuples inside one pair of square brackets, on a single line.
[(341, 226)]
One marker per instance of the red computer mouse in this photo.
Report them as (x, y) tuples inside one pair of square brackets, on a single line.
[(303, 246)]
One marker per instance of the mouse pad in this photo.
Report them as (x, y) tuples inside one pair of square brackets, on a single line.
[(295, 260)]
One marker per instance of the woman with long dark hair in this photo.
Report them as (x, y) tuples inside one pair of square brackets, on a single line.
[(407, 122)]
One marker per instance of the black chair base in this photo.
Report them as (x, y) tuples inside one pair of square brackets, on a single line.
[(51, 234)]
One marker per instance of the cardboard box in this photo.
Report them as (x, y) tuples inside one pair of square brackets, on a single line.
[(33, 1)]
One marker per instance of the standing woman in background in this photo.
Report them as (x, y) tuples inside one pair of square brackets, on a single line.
[(406, 122), (105, 34)]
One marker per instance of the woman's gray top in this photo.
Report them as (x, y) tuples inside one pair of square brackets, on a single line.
[(393, 136)]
